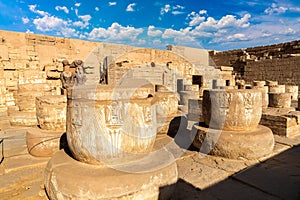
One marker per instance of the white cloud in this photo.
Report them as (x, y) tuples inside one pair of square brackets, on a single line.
[(79, 24), (171, 33), (97, 8), (69, 32), (196, 18), (85, 21), (141, 42), (153, 33), (130, 7), (25, 20), (178, 7), (228, 21), (85, 18), (165, 9), (202, 12), (231, 21), (181, 37), (175, 10), (33, 9), (116, 33), (295, 9), (63, 8), (29, 31), (237, 36), (112, 3), (156, 41), (288, 31), (275, 9), (48, 23), (77, 4)]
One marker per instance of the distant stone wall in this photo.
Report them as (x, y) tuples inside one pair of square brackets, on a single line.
[(284, 70), (278, 62)]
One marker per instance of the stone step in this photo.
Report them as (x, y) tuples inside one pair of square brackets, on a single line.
[(14, 142), (22, 162), (23, 118)]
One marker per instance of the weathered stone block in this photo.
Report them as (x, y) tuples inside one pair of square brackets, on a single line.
[(4, 52), (53, 74), (32, 76), (186, 95), (8, 65), (284, 123), (51, 112), (277, 89), (166, 103), (292, 89), (259, 83), (264, 95), (280, 100), (18, 118), (232, 109), (271, 83), (33, 87), (191, 87)]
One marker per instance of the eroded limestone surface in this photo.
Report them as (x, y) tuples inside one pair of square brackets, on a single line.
[(232, 109)]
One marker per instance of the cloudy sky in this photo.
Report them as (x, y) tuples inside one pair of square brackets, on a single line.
[(209, 24)]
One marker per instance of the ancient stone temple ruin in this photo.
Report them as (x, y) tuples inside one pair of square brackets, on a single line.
[(87, 120)]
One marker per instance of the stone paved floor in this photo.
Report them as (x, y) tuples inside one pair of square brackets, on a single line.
[(276, 176)]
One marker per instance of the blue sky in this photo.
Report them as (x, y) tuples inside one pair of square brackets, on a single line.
[(213, 24)]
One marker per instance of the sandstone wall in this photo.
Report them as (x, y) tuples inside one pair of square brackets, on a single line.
[(285, 71), (29, 61), (284, 57)]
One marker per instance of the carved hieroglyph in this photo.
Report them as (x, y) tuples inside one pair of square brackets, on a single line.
[(232, 109)]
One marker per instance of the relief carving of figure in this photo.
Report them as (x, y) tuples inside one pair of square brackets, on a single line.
[(113, 114), (248, 101)]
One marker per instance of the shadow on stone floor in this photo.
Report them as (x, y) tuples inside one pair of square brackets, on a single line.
[(275, 178), (179, 132)]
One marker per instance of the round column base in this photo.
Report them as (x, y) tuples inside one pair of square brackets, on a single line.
[(250, 144), (66, 178)]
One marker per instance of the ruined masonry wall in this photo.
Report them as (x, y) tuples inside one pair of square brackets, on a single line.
[(285, 71), (279, 62), (36, 59)]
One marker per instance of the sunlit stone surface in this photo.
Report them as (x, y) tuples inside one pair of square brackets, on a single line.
[(232, 109), (101, 130)]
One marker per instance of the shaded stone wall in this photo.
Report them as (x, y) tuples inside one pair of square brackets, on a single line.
[(284, 70)]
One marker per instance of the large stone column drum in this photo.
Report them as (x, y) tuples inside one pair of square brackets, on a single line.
[(232, 109), (107, 131), (232, 117)]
